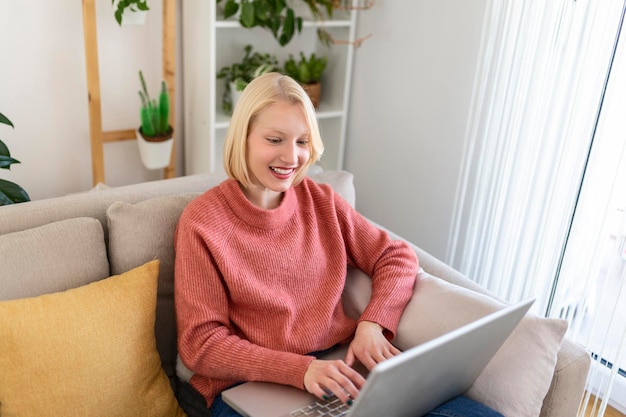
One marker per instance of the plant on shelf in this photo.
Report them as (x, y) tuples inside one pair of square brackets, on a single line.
[(308, 72), (239, 74), (275, 15), (124, 5), (10, 192), (155, 128), (281, 19)]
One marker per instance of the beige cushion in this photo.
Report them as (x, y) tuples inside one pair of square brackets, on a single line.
[(517, 379), (51, 258), (88, 351), (341, 181), (142, 232)]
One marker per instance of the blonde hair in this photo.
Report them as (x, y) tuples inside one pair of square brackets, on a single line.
[(262, 92)]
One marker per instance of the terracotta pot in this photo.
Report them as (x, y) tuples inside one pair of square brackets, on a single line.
[(314, 90)]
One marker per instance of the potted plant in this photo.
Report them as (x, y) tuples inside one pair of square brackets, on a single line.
[(308, 72), (138, 7), (238, 75), (276, 16), (10, 192), (155, 135), (281, 19)]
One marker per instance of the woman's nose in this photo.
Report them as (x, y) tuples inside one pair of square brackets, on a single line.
[(290, 154)]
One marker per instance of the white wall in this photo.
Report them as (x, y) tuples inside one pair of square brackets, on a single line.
[(411, 93), (410, 103), (43, 90)]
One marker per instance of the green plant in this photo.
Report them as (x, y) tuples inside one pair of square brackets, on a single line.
[(132, 5), (9, 191), (276, 15), (241, 73), (154, 115), (306, 71)]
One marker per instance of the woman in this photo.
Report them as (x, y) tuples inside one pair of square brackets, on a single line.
[(261, 263)]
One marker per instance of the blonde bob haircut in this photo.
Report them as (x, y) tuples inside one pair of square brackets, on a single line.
[(262, 92)]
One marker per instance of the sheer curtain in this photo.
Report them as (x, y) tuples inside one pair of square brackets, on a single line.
[(591, 290), (537, 99)]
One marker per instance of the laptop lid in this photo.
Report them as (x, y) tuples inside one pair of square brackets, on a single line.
[(407, 385)]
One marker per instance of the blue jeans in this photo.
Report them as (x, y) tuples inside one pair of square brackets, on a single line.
[(194, 405)]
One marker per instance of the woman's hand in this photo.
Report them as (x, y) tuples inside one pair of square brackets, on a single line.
[(370, 346), (333, 376)]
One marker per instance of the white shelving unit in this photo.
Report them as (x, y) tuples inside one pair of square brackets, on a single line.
[(210, 44)]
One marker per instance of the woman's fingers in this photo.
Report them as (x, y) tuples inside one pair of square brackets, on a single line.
[(333, 377)]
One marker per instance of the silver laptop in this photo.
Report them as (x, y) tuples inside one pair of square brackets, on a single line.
[(408, 385)]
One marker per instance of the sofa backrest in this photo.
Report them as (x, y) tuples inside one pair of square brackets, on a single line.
[(94, 204)]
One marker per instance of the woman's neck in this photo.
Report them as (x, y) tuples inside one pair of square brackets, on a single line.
[(263, 197)]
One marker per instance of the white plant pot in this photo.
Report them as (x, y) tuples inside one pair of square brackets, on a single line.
[(234, 95), (155, 155)]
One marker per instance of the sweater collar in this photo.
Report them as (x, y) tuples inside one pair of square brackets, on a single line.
[(256, 216)]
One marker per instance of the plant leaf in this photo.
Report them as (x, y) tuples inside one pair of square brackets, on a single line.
[(247, 14), (5, 120), (289, 23), (262, 12), (7, 161), (230, 8), (4, 149), (142, 5), (12, 193)]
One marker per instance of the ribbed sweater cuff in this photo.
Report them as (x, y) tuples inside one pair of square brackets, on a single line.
[(294, 371)]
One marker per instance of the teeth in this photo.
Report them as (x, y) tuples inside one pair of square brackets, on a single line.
[(281, 171)]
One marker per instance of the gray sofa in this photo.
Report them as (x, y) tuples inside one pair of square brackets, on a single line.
[(43, 249)]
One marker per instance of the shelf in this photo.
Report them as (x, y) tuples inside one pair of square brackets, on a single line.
[(234, 24), (211, 43), (324, 111)]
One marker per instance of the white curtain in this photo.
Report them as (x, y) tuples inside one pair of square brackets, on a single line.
[(591, 290), (537, 97)]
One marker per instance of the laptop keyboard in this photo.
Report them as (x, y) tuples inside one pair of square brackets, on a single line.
[(332, 407)]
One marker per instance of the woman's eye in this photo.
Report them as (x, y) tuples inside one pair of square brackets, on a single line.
[(273, 140), (303, 142)]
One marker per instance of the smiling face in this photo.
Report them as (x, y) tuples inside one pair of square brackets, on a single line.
[(277, 149)]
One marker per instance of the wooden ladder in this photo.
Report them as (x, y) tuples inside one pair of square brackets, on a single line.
[(98, 136)]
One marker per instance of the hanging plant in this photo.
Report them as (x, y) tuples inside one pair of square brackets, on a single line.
[(275, 15), (132, 5)]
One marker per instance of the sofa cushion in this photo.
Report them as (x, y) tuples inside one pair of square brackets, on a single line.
[(88, 351), (51, 258), (139, 233), (341, 181), (516, 380)]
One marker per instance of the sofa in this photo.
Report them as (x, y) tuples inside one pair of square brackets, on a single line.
[(87, 320)]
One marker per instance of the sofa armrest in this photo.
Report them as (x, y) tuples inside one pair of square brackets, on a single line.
[(568, 383)]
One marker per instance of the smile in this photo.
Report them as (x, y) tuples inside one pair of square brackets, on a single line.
[(282, 171)]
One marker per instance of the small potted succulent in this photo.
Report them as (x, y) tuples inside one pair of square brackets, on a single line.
[(308, 72), (155, 135), (137, 7), (238, 75), (10, 192)]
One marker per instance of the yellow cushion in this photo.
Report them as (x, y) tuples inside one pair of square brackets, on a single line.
[(88, 351)]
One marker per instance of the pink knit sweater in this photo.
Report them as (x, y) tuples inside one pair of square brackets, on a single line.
[(257, 289)]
